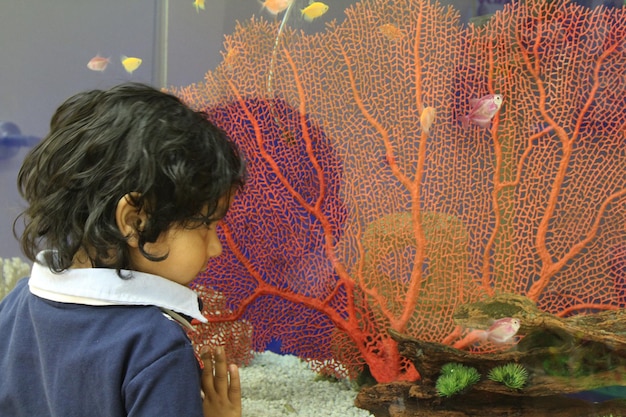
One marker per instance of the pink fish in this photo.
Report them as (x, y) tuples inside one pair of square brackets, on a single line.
[(483, 110), (98, 63), (501, 331)]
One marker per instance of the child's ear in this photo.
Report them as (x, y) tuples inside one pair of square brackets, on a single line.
[(129, 219)]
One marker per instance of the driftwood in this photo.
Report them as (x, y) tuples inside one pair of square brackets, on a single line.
[(607, 328), (562, 356), (399, 399)]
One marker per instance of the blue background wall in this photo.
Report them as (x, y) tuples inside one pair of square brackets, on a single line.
[(45, 46)]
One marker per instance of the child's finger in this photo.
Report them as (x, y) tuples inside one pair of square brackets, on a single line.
[(220, 371), (221, 385), (234, 391), (207, 372)]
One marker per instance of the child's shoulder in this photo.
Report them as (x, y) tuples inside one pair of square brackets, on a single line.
[(135, 335), (145, 320)]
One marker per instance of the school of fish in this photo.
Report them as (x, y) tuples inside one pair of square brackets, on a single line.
[(482, 110), (99, 63)]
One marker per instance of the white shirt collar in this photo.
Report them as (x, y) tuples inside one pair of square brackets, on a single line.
[(102, 286)]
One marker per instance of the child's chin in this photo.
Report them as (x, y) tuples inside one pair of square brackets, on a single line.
[(187, 282)]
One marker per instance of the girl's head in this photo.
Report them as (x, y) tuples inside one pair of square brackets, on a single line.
[(130, 145)]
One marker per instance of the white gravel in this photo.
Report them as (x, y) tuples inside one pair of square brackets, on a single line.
[(283, 385)]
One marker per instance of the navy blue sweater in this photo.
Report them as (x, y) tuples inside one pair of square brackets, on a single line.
[(74, 360)]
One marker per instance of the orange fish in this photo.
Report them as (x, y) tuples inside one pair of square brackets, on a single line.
[(276, 6), (427, 118), (98, 63), (390, 31)]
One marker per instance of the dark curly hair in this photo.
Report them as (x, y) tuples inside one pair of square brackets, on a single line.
[(129, 140)]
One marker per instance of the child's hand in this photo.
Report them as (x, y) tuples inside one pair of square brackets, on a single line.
[(221, 386)]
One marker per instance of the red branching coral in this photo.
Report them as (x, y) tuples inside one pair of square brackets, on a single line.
[(356, 220), (236, 336)]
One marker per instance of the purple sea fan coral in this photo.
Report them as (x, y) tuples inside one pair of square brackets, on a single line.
[(279, 225)]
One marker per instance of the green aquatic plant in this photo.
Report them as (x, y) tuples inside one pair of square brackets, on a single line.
[(512, 375), (455, 378)]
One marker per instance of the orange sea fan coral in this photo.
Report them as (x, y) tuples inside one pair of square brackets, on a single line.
[(355, 220)]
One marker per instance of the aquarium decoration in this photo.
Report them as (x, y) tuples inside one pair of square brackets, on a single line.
[(597, 340), (12, 139), (456, 378), (362, 219), (512, 375), (235, 336)]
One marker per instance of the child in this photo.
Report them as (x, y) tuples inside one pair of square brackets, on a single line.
[(123, 199)]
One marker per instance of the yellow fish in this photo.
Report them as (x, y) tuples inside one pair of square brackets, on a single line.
[(199, 4), (314, 10), (131, 63)]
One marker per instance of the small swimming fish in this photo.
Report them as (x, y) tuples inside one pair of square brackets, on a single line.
[(314, 10), (98, 63), (483, 110), (502, 330), (276, 6), (231, 57), (131, 63), (199, 4), (390, 31), (427, 118)]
